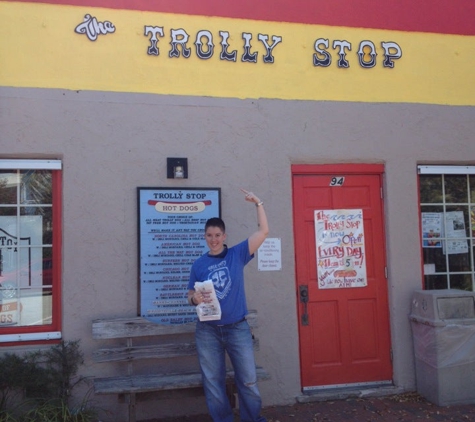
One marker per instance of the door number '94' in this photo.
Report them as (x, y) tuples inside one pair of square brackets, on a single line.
[(337, 181)]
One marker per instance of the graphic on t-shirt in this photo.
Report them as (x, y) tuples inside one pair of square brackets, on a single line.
[(221, 281)]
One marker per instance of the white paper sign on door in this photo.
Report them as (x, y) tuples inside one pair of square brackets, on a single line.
[(341, 258)]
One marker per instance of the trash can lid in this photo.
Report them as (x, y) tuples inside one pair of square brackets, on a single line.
[(444, 304)]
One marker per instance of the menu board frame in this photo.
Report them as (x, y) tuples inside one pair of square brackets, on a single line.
[(170, 238)]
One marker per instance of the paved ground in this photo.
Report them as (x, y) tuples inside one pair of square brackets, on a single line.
[(406, 407)]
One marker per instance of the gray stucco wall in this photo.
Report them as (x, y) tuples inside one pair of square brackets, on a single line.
[(111, 143)]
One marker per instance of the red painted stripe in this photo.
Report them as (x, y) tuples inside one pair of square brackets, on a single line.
[(438, 16), (152, 202)]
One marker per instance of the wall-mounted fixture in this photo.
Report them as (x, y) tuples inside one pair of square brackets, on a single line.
[(177, 168)]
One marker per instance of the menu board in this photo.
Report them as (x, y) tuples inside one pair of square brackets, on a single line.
[(171, 238)]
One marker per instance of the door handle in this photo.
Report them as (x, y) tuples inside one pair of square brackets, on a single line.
[(303, 293)]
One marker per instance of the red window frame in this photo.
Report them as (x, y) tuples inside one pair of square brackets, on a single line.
[(50, 333)]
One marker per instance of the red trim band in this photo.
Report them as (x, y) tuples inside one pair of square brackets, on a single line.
[(438, 16)]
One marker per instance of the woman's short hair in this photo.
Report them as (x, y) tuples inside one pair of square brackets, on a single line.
[(215, 222)]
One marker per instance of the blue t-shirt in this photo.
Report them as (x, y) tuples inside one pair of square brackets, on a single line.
[(227, 274)]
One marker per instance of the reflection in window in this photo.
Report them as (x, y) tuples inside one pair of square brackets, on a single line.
[(29, 288)]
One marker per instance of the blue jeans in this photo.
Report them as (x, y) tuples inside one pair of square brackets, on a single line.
[(236, 339)]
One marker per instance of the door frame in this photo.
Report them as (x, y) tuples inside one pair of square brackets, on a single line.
[(344, 169)]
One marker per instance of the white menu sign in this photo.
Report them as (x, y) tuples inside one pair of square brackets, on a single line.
[(171, 238)]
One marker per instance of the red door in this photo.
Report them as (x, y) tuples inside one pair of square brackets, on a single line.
[(344, 332)]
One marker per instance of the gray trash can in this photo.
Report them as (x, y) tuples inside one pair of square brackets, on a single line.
[(443, 328)]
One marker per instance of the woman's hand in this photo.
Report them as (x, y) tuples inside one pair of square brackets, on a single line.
[(250, 197), (196, 298), (257, 238)]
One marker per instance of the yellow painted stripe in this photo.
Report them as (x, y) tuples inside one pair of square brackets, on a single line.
[(39, 48)]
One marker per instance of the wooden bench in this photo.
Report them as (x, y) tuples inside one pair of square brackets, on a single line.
[(159, 341)]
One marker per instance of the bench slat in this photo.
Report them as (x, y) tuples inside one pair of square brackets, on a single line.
[(156, 351), (147, 383), (140, 327), (168, 350)]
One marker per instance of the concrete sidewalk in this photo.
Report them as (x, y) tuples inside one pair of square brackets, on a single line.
[(346, 406), (406, 407)]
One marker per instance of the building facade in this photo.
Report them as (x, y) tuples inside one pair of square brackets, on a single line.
[(353, 123)]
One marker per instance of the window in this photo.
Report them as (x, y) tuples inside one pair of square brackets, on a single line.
[(30, 250), (447, 201)]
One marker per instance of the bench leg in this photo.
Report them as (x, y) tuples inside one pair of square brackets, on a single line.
[(132, 417)]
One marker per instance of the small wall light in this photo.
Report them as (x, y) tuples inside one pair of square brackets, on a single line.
[(177, 168), (179, 174)]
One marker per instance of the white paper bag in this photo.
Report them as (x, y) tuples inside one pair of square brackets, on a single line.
[(210, 309)]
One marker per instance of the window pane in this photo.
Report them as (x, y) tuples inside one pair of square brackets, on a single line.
[(456, 189), (433, 282), (459, 262), (36, 187), (47, 311), (8, 187), (472, 189), (25, 267), (458, 221), (8, 227), (8, 273), (472, 220), (432, 208), (47, 273), (431, 189), (35, 305), (437, 257), (456, 230), (22, 266), (37, 221), (461, 282)]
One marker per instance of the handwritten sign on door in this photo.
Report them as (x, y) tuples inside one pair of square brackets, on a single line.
[(341, 258)]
